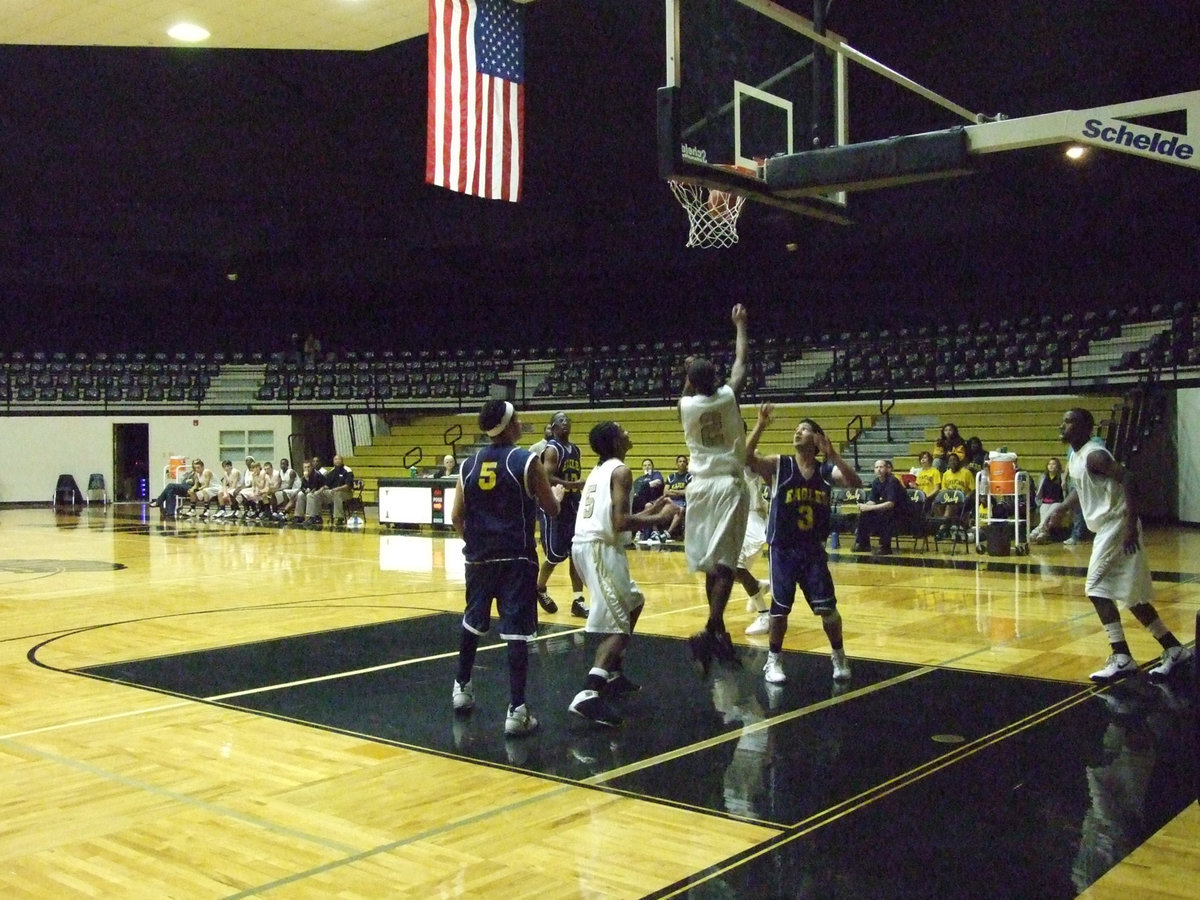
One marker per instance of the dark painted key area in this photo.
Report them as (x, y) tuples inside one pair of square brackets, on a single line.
[(906, 782)]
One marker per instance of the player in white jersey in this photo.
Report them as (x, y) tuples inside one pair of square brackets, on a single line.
[(758, 591), (1118, 572), (602, 528), (718, 500)]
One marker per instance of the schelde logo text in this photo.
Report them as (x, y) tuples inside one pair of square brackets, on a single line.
[(1138, 140)]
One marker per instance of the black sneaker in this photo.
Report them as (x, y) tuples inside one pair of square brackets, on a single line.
[(861, 548), (589, 705), (546, 603), (884, 551), (578, 610), (722, 649), (618, 684), (701, 646)]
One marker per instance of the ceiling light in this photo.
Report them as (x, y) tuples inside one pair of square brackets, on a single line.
[(186, 31), (1076, 152)]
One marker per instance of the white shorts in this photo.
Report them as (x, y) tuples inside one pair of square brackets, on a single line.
[(1116, 575), (612, 594), (755, 540), (208, 493), (717, 510)]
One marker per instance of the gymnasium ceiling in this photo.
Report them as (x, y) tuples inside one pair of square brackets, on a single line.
[(137, 178), (233, 24)]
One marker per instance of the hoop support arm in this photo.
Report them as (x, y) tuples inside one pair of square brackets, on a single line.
[(1101, 127)]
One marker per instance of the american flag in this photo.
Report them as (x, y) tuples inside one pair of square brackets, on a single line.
[(476, 97)]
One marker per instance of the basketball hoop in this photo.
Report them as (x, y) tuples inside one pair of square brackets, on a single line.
[(712, 214)]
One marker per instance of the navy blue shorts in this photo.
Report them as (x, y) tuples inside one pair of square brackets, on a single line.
[(557, 533), (512, 583), (807, 569)]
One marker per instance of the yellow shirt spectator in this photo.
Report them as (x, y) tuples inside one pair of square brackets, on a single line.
[(929, 480), (962, 480)]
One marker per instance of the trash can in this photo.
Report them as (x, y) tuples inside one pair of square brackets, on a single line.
[(999, 539)]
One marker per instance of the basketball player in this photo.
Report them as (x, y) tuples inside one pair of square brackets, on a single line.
[(598, 552), (1118, 571), (499, 488), (718, 499), (561, 461), (758, 592), (797, 526)]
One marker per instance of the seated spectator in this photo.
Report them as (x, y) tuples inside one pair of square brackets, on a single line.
[(949, 441), (929, 477), (235, 495), (174, 491), (676, 491), (289, 488), (340, 481), (251, 492), (231, 484), (976, 459), (880, 513), (312, 496), (205, 490), (647, 488), (272, 485), (449, 467), (1050, 493), (958, 477)]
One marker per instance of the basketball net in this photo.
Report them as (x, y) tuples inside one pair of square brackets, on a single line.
[(712, 214)]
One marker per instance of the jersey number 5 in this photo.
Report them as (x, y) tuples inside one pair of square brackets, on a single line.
[(487, 476)]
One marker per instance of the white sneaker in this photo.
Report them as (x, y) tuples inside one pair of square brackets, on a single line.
[(762, 598), (1117, 666), (463, 697), (1175, 656), (841, 666), (761, 625), (773, 670), (1072, 542), (519, 721)]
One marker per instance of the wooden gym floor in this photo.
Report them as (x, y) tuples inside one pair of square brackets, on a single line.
[(196, 709)]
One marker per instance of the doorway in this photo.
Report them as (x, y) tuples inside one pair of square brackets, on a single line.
[(131, 462)]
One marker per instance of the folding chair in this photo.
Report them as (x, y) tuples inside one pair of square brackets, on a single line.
[(356, 513), (95, 489), (914, 523), (946, 510)]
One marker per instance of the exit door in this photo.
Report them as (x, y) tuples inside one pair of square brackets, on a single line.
[(131, 462)]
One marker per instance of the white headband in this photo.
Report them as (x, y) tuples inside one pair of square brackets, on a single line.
[(504, 420)]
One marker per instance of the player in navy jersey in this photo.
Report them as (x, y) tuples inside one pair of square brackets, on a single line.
[(500, 490), (797, 526), (561, 460)]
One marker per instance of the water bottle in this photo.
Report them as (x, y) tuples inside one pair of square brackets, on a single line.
[(412, 471), (834, 541)]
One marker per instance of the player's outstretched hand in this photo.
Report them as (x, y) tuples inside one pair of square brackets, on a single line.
[(739, 315), (766, 414)]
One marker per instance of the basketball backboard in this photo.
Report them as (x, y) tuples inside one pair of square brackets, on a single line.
[(745, 83)]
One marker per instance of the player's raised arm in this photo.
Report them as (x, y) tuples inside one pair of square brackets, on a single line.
[(737, 375), (764, 466), (844, 475)]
